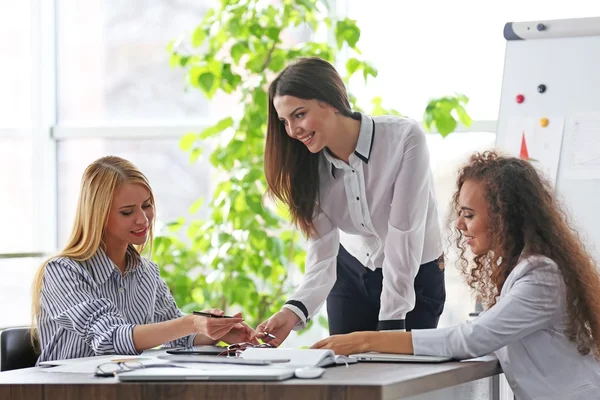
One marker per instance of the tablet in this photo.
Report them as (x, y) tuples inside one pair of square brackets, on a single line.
[(199, 350)]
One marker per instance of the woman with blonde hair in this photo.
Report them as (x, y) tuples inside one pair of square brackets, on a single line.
[(99, 295), (531, 269)]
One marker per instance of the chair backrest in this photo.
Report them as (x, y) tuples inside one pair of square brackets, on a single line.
[(16, 350)]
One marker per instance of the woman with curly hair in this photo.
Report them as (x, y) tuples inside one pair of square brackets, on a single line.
[(531, 270)]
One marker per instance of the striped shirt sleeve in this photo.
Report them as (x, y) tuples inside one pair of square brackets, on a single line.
[(166, 309), (71, 300)]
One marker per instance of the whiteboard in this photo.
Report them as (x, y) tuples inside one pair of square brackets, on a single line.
[(563, 55)]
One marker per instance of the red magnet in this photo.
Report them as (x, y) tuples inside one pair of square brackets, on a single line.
[(520, 98)]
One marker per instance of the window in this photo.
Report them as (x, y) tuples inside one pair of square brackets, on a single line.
[(16, 200), (15, 293), (25, 204), (113, 63), (17, 230), (15, 39)]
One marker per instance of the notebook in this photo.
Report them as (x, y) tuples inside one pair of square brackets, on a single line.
[(399, 358), (210, 374), (297, 357)]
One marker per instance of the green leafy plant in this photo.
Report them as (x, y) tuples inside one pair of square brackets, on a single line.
[(246, 256), (443, 113)]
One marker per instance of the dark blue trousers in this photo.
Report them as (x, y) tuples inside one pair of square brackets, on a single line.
[(353, 303)]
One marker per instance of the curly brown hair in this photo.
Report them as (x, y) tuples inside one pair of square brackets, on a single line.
[(526, 216)]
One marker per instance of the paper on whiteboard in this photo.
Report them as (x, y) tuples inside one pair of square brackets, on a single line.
[(527, 139), (582, 143)]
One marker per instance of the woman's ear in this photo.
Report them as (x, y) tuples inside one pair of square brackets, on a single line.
[(324, 104)]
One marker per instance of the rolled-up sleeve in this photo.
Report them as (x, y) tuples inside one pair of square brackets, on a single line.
[(70, 299), (166, 309)]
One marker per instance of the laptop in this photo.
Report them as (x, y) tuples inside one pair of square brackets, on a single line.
[(399, 358), (217, 374)]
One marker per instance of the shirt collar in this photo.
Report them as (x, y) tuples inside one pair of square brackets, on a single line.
[(365, 138), (101, 266), (364, 145)]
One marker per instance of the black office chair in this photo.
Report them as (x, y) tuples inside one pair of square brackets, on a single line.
[(16, 349)]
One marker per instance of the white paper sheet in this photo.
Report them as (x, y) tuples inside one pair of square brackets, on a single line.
[(582, 145), (542, 144), (88, 365)]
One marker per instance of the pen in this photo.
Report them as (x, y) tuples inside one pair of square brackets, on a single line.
[(209, 315)]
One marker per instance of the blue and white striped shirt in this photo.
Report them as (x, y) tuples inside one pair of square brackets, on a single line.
[(89, 308)]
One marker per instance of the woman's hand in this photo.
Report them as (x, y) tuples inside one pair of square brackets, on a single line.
[(362, 342), (214, 328), (240, 333), (352, 343), (279, 325)]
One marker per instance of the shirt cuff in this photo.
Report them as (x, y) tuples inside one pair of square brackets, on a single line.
[(190, 340), (430, 342), (123, 340), (299, 309), (392, 325)]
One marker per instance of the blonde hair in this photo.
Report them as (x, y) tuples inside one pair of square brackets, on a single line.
[(99, 183)]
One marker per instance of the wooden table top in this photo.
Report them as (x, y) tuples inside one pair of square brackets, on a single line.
[(369, 381)]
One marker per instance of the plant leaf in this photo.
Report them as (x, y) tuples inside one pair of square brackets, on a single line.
[(187, 141), (198, 36), (206, 81)]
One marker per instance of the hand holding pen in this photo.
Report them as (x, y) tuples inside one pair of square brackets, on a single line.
[(213, 314), (213, 322), (216, 313)]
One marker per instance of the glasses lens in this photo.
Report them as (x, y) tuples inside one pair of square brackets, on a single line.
[(109, 368), (132, 365)]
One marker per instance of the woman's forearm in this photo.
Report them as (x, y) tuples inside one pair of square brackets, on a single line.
[(389, 342), (152, 335)]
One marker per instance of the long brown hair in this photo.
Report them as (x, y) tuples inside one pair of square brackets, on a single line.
[(291, 170), (100, 181), (526, 216)]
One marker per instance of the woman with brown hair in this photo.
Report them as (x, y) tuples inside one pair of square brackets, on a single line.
[(531, 269), (368, 178)]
